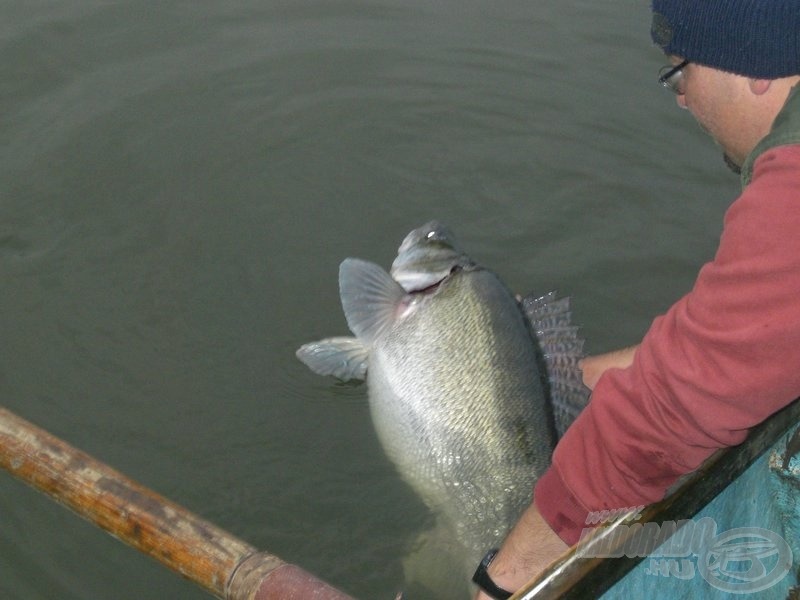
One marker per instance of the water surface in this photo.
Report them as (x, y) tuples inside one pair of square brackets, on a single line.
[(180, 180)]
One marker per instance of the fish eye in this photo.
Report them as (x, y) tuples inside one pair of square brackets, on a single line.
[(431, 235)]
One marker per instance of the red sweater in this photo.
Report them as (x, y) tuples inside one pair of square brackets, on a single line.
[(721, 360)]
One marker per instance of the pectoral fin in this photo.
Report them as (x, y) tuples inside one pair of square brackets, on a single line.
[(343, 357), (370, 298)]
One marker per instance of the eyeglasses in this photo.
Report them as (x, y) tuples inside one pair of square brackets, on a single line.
[(672, 77)]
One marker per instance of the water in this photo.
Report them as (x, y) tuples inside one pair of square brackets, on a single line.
[(179, 181)]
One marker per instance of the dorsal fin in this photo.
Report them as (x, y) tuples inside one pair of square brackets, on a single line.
[(562, 348)]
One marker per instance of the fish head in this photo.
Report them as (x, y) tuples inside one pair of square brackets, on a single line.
[(427, 256)]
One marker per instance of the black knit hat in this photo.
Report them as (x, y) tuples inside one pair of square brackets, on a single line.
[(755, 38)]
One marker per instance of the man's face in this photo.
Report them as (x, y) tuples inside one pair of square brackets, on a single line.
[(717, 100)]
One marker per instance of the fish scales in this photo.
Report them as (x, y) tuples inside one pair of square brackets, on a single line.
[(437, 376), (468, 387)]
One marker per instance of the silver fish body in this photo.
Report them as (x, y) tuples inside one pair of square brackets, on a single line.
[(435, 377), (458, 389)]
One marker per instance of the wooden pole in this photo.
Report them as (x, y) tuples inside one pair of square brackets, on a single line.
[(220, 563)]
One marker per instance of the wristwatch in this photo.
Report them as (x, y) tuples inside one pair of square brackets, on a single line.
[(482, 580)]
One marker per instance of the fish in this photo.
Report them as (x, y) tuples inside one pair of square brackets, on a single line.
[(469, 386)]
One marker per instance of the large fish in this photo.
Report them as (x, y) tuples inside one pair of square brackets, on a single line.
[(468, 387)]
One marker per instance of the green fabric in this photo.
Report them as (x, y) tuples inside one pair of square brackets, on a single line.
[(785, 130)]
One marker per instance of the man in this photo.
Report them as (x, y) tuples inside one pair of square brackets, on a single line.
[(727, 355)]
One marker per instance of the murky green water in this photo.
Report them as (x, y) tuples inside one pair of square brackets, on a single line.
[(180, 180)]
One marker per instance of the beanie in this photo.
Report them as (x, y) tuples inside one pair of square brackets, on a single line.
[(754, 38)]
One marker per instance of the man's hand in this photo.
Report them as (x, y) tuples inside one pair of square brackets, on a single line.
[(594, 366), (529, 548)]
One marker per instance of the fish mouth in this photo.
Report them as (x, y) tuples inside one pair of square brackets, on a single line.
[(424, 283), (418, 281), (426, 258)]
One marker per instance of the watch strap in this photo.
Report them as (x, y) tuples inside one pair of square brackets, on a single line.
[(482, 580)]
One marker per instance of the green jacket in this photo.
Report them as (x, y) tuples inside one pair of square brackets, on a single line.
[(785, 130)]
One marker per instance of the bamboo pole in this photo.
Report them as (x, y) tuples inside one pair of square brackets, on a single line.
[(218, 562)]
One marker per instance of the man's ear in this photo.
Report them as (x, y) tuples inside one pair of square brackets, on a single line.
[(759, 86)]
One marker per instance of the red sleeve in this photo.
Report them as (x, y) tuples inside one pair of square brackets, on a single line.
[(721, 360)]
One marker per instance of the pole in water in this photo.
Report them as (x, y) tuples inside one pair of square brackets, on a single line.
[(217, 561)]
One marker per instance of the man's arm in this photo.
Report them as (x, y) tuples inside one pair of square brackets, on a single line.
[(594, 366), (532, 545), (529, 548)]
